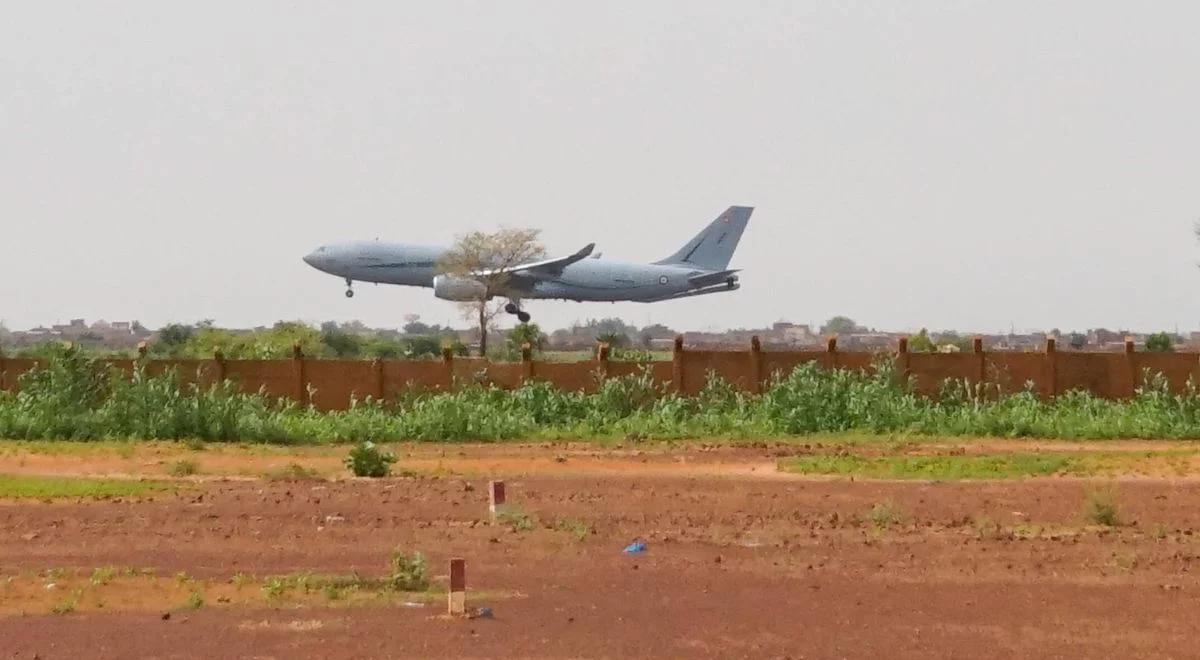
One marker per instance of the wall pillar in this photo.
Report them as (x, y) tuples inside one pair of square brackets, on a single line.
[(677, 365), (301, 379), (1051, 369), (756, 365)]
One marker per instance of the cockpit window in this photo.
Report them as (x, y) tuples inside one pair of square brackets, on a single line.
[(321, 249)]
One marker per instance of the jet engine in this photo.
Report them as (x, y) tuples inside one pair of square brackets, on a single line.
[(457, 288)]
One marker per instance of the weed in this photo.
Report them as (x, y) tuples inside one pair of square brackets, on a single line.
[(275, 588), (65, 607), (293, 472), (102, 576), (367, 460), (1159, 532), (1126, 561), (239, 580), (884, 515), (1100, 507), (194, 444), (408, 572), (573, 526), (333, 592), (986, 528), (182, 577), (195, 601), (184, 468), (515, 517)]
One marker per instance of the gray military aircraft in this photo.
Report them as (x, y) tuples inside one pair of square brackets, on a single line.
[(699, 267)]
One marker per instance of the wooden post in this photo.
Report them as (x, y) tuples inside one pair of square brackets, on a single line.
[(458, 587), (981, 364), (377, 369), (1131, 365), (1051, 369), (526, 362), (677, 365), (298, 372), (495, 497), (603, 352), (903, 359), (448, 363), (832, 350), (3, 372), (756, 365)]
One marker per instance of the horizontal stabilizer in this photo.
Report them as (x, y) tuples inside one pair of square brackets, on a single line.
[(706, 279)]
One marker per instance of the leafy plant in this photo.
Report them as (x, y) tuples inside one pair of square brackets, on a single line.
[(368, 460), (408, 572)]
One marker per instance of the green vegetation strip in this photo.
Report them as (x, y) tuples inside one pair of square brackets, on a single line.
[(21, 486), (996, 466), (73, 397)]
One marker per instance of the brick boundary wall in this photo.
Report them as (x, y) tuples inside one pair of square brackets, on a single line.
[(332, 384)]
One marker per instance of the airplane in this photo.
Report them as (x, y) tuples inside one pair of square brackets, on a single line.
[(698, 268)]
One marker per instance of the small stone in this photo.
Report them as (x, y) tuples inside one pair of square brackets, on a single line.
[(29, 537), (166, 616)]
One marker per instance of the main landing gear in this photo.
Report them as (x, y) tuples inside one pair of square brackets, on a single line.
[(515, 308), (349, 288)]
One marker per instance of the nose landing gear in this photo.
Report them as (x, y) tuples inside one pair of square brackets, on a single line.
[(515, 308), (349, 288)]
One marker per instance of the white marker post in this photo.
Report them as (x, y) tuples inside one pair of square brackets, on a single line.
[(495, 497), (458, 587)]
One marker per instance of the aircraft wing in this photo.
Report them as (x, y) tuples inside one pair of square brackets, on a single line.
[(708, 279), (547, 266)]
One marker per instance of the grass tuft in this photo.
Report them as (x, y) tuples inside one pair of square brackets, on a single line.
[(1100, 507)]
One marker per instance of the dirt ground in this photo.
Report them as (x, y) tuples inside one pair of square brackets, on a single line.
[(741, 560)]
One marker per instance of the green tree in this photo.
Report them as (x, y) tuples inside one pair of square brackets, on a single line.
[(1160, 342), (921, 343), (614, 339), (172, 339), (526, 333), (340, 343), (1077, 340), (841, 325), (481, 262)]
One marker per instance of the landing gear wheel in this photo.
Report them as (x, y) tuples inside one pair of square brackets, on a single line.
[(349, 288), (511, 308), (349, 293), (523, 317)]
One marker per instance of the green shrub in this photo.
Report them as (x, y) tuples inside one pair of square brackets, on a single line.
[(408, 573), (367, 460)]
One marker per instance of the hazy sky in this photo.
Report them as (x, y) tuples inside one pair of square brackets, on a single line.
[(958, 164)]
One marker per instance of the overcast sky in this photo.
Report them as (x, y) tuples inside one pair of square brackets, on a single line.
[(970, 165)]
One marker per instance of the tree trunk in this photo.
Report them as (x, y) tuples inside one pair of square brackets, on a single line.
[(483, 328)]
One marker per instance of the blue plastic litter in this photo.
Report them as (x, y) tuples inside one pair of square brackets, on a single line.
[(636, 546)]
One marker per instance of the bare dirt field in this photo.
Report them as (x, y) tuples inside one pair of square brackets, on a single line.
[(741, 561)]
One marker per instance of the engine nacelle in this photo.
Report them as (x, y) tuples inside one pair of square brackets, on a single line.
[(458, 288)]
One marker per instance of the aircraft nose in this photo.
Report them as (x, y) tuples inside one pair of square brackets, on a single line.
[(316, 258)]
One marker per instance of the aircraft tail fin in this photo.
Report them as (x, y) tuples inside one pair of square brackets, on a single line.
[(712, 248)]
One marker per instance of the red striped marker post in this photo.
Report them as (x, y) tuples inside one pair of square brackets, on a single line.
[(495, 497), (458, 587)]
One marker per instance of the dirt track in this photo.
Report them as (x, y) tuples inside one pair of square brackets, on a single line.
[(737, 565)]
